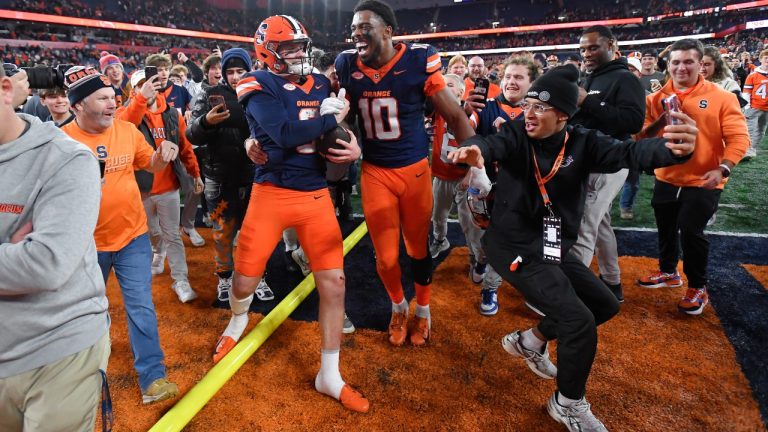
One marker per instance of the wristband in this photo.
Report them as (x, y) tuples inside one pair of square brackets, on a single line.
[(725, 170)]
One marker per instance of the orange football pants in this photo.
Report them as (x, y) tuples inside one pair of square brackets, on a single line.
[(271, 210), (396, 199)]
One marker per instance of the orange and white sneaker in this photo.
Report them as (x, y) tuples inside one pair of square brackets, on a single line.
[(419, 332), (223, 347), (398, 328), (353, 400), (694, 301)]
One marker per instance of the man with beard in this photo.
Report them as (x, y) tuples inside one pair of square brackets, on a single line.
[(612, 101), (387, 85), (475, 101), (687, 195), (121, 235)]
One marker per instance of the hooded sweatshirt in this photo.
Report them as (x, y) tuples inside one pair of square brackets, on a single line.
[(166, 180), (615, 102), (52, 298), (722, 130)]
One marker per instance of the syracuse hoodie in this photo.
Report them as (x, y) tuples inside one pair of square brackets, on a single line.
[(52, 298)]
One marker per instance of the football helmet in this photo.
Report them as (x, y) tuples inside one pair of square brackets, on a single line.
[(481, 208), (279, 29)]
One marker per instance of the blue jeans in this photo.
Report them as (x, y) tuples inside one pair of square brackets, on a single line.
[(629, 192), (227, 203), (132, 266)]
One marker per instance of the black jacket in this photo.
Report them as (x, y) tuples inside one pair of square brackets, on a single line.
[(226, 161), (516, 221), (615, 102)]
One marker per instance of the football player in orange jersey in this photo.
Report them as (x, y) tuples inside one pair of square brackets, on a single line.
[(288, 109)]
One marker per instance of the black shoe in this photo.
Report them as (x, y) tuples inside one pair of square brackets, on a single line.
[(615, 289), (290, 265)]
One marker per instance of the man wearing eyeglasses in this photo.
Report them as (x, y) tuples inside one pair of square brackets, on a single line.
[(544, 166)]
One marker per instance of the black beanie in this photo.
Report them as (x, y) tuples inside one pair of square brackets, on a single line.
[(81, 82), (558, 88)]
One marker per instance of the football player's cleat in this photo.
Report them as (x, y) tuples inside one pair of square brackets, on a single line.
[(397, 328), (223, 347), (420, 331), (353, 400)]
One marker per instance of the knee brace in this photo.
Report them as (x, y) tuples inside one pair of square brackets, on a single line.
[(421, 270)]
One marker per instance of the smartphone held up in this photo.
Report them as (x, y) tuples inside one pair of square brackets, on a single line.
[(215, 100), (671, 104)]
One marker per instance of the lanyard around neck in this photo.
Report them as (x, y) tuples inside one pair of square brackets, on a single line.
[(543, 180)]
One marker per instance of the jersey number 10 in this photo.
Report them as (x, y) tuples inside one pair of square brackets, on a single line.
[(380, 118)]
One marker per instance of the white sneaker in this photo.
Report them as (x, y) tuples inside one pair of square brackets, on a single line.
[(577, 418), (225, 284), (194, 237), (539, 363), (348, 328), (301, 260), (264, 292), (207, 220), (437, 246), (477, 273), (158, 264), (184, 291)]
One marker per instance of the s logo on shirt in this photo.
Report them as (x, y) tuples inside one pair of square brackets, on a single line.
[(703, 103), (101, 152)]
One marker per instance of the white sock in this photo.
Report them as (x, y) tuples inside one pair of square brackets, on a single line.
[(422, 311), (533, 343), (564, 401), (328, 380), (401, 307), (239, 320)]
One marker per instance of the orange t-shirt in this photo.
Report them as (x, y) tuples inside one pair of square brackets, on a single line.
[(756, 86), (121, 214), (443, 143), (469, 85)]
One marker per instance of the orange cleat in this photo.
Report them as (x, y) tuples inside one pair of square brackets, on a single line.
[(223, 347), (397, 328), (419, 333), (353, 400)]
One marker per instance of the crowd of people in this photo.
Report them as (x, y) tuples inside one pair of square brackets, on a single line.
[(522, 147)]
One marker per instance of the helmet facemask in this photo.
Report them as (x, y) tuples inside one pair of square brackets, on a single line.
[(300, 66)]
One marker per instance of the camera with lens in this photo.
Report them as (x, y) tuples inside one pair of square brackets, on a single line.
[(40, 77)]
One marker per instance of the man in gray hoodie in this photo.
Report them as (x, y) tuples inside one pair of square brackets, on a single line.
[(54, 338)]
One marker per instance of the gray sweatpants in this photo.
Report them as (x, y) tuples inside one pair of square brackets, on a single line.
[(595, 233), (446, 194), (191, 201), (163, 220), (757, 120)]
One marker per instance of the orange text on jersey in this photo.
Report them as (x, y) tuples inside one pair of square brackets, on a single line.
[(378, 93)]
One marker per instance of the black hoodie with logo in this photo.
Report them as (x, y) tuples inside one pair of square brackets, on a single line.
[(615, 102)]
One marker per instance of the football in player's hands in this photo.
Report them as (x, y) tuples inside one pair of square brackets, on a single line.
[(328, 140)]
